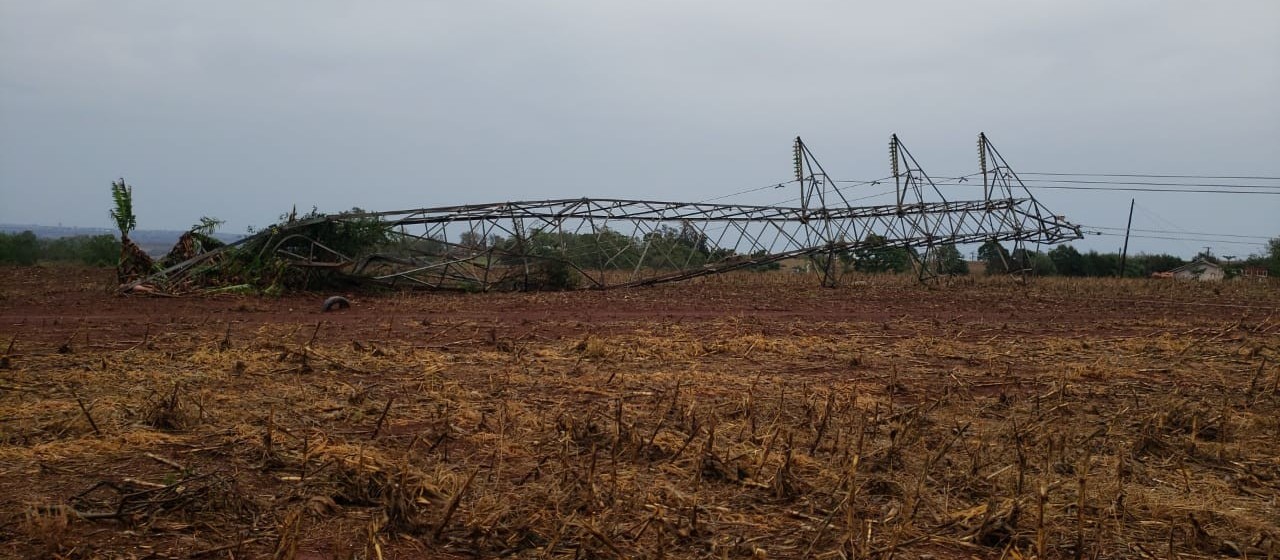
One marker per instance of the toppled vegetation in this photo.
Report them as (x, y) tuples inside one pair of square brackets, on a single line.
[(301, 253)]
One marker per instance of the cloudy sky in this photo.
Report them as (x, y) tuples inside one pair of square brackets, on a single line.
[(242, 109)]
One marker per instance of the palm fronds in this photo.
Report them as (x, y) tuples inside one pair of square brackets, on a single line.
[(207, 226), (122, 213)]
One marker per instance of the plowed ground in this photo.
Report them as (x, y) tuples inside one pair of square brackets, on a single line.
[(742, 416)]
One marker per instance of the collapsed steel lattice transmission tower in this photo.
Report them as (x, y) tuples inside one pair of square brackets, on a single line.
[(607, 243)]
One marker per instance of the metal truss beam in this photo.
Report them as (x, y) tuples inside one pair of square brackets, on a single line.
[(608, 243)]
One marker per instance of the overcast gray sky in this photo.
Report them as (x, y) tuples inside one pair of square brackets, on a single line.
[(241, 109)]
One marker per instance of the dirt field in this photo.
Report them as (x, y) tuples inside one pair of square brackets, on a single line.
[(751, 416)]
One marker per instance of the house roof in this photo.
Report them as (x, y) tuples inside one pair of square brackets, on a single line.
[(1198, 265)]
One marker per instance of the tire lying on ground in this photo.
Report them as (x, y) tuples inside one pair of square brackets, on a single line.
[(335, 302)]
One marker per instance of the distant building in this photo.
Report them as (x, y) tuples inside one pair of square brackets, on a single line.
[(1203, 271), (1254, 272)]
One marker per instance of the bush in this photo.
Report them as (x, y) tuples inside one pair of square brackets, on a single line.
[(95, 250), (19, 248), (554, 275), (26, 249)]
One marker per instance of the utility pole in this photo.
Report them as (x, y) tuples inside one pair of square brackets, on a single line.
[(1124, 253)]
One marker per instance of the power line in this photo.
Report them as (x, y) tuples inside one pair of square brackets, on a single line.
[(1152, 176), (1154, 184), (1130, 189), (1263, 237), (1167, 223), (1208, 188), (835, 189), (783, 184), (766, 187), (855, 182), (1142, 189), (1168, 238)]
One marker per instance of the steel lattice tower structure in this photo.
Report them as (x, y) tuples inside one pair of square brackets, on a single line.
[(609, 243)]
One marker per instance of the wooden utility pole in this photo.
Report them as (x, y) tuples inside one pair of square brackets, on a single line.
[(1124, 253)]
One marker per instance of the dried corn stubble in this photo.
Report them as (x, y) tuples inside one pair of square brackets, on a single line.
[(730, 436)]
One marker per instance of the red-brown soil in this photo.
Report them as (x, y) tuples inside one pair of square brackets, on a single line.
[(737, 416)]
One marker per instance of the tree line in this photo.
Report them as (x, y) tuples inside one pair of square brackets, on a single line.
[(26, 248), (1065, 260)]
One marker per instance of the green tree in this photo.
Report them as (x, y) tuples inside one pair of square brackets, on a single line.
[(95, 250), (765, 267), (676, 248), (1101, 264), (1033, 262), (875, 254), (1273, 256), (99, 250), (473, 240), (995, 257), (1146, 265), (20, 248), (1067, 260), (946, 259)]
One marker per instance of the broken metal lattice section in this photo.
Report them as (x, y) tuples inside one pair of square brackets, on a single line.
[(609, 243)]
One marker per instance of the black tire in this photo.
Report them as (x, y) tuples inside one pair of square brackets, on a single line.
[(335, 302)]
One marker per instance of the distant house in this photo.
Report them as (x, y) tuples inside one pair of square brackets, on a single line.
[(1203, 271), (1254, 272)]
